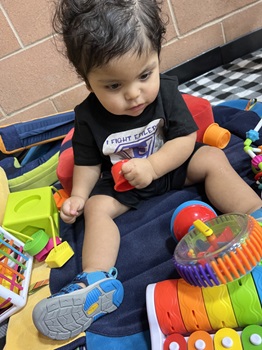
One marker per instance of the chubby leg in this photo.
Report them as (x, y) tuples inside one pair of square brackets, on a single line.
[(224, 187), (102, 239), (94, 292)]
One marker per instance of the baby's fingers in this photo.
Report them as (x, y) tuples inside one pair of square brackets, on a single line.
[(127, 168)]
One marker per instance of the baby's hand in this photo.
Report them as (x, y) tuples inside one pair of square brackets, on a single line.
[(138, 172), (71, 209)]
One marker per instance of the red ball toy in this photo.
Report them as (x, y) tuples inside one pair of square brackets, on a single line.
[(186, 213)]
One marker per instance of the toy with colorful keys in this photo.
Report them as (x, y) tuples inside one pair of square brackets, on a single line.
[(248, 339), (210, 314)]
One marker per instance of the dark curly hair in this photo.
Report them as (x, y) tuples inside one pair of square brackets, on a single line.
[(95, 31)]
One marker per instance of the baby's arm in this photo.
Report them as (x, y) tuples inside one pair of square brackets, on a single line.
[(140, 172), (84, 179)]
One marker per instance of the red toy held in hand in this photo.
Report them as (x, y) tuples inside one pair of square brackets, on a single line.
[(121, 184)]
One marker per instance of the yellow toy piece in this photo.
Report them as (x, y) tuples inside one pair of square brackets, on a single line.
[(219, 307), (227, 338), (60, 254)]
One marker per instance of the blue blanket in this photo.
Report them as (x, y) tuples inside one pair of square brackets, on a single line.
[(147, 247)]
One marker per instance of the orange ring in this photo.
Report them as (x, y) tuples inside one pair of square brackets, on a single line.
[(192, 307)]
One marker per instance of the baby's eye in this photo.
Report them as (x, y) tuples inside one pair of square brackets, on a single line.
[(113, 86), (145, 76)]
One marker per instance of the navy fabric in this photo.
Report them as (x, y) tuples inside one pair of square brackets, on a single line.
[(25, 134), (242, 104), (147, 247), (14, 169)]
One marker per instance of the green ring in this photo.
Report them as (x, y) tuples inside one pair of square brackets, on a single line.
[(39, 241)]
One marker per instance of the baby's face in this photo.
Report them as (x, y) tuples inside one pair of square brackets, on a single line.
[(127, 85)]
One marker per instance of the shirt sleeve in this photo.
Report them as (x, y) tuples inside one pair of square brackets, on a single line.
[(85, 148), (179, 120)]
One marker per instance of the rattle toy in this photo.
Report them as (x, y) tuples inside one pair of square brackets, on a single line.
[(220, 250), (186, 213)]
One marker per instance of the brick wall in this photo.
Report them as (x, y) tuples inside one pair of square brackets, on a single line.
[(36, 80)]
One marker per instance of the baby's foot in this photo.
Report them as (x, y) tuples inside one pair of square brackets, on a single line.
[(72, 310)]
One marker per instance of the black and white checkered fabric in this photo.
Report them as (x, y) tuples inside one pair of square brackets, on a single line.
[(242, 78)]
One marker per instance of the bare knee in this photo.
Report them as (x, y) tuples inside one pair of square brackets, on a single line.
[(205, 161), (104, 205), (214, 155)]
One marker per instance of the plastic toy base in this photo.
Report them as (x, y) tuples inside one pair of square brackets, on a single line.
[(157, 337)]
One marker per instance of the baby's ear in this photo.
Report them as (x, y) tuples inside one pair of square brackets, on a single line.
[(88, 86)]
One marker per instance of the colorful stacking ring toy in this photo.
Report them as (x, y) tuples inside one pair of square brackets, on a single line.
[(220, 250)]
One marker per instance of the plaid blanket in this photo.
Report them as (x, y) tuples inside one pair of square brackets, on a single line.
[(242, 78)]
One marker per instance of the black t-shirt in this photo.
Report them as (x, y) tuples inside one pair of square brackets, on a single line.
[(103, 138)]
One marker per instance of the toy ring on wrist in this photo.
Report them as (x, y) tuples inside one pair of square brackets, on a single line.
[(220, 250)]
